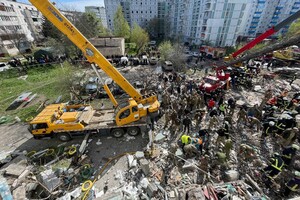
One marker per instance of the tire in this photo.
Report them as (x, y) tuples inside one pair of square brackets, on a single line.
[(117, 133), (133, 131), (64, 137)]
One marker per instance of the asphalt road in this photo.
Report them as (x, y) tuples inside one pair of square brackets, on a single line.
[(17, 138)]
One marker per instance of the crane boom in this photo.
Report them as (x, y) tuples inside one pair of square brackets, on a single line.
[(90, 52), (268, 33)]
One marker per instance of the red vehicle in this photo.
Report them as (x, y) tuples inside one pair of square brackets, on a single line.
[(210, 84)]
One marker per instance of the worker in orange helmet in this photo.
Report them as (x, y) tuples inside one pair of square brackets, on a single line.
[(198, 142)]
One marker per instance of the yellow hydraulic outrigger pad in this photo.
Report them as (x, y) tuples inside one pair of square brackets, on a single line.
[(92, 54)]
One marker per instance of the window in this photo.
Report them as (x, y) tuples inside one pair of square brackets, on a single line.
[(134, 109), (124, 114), (39, 126)]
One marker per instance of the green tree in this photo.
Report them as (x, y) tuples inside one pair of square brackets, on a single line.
[(49, 30), (166, 50), (139, 36), (121, 27), (89, 25), (293, 29), (86, 23)]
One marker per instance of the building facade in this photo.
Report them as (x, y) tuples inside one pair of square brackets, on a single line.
[(100, 13), (213, 22), (136, 11), (20, 25), (267, 13)]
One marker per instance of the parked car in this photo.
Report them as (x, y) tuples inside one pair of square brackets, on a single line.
[(195, 54), (167, 66), (153, 61), (92, 85), (135, 61), (4, 67)]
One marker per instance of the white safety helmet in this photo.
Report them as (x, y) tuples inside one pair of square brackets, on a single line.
[(297, 173), (294, 146), (271, 123)]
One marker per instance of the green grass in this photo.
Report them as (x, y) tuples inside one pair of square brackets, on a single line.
[(48, 82)]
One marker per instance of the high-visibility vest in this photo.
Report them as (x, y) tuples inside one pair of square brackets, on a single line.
[(293, 184), (222, 107), (278, 164), (289, 156), (185, 139)]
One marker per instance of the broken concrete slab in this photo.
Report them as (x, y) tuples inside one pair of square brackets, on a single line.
[(139, 155), (144, 164), (151, 189), (20, 193), (111, 179), (160, 137), (15, 169)]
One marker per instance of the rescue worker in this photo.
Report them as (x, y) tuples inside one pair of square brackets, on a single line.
[(292, 185), (242, 116), (228, 118), (186, 124), (204, 134), (213, 112), (280, 127), (223, 133), (185, 139), (199, 116), (222, 109), (288, 153), (268, 128), (227, 148), (198, 143), (221, 158), (274, 169), (255, 122), (289, 136), (247, 152), (231, 105), (211, 104)]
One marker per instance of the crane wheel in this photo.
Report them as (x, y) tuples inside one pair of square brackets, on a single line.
[(117, 133), (133, 131), (64, 137)]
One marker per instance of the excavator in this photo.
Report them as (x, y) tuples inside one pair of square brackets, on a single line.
[(233, 58), (125, 113)]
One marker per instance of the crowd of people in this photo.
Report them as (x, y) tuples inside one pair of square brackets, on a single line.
[(208, 125)]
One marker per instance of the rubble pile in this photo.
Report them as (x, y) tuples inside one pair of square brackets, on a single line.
[(239, 143)]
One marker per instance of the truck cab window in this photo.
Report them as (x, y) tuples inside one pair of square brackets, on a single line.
[(39, 126), (134, 109), (125, 114)]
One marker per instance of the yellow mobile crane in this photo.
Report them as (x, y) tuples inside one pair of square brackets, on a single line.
[(64, 120)]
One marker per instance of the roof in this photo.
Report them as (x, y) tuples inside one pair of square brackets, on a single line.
[(46, 114)]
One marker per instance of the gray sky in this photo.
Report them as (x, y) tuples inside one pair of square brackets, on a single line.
[(73, 4)]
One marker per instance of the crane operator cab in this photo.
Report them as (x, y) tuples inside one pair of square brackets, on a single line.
[(130, 111)]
